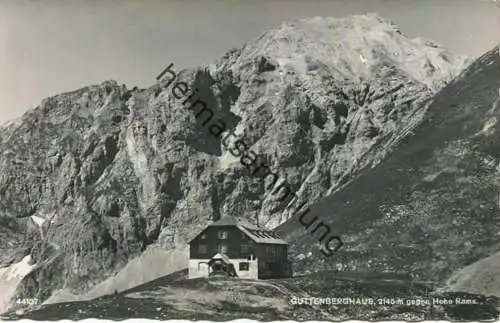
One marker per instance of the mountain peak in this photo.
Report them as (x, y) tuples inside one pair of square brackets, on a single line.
[(359, 47)]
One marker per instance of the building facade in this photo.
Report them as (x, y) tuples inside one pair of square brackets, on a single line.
[(231, 245)]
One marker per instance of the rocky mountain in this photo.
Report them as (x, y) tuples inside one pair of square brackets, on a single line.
[(101, 188)]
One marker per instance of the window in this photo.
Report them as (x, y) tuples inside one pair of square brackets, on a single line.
[(245, 248), (222, 234), (244, 266), (222, 248), (202, 249), (271, 251)]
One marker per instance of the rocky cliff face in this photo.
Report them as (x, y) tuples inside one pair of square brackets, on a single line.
[(93, 178)]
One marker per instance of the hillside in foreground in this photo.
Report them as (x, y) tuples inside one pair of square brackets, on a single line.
[(223, 299)]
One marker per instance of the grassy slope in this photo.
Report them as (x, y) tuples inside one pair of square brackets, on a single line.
[(480, 277)]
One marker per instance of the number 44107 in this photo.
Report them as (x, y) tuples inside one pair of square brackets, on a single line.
[(27, 301)]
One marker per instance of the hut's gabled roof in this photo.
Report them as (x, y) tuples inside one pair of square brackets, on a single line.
[(258, 235)]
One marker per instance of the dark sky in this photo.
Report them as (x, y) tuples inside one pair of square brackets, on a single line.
[(49, 46)]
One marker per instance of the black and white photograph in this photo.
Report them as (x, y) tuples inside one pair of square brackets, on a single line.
[(264, 160)]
